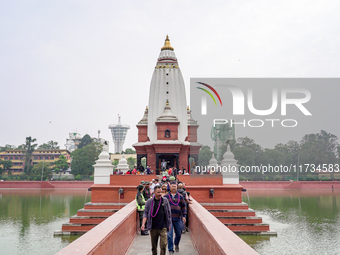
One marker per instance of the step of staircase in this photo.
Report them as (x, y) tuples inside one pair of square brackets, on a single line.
[(225, 206), (231, 213), (117, 206), (96, 212), (86, 220), (80, 228), (248, 227), (240, 220)]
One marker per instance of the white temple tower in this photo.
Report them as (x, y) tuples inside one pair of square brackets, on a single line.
[(167, 84)]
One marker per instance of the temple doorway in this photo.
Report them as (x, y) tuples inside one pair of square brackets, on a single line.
[(170, 159)]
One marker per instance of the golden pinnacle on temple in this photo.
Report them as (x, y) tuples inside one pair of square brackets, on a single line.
[(167, 45)]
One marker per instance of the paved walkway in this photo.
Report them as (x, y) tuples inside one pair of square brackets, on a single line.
[(142, 246)]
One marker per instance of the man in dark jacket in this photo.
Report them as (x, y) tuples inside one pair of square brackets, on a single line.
[(141, 169), (178, 216), (157, 214)]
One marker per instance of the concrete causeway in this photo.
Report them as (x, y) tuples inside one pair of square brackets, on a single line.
[(142, 246)]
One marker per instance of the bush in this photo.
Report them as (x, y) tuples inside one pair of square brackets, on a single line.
[(92, 177), (242, 178), (266, 178), (78, 177), (310, 177), (4, 177), (277, 178)]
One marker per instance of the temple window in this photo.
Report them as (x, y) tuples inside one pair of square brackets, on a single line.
[(167, 133)]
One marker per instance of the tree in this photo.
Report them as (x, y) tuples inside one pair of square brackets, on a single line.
[(131, 162), (51, 145), (143, 162), (86, 140), (83, 159), (204, 156), (115, 162), (61, 163), (318, 149), (244, 156), (1, 169), (130, 151), (7, 147), (40, 167), (273, 157), (7, 164), (30, 148)]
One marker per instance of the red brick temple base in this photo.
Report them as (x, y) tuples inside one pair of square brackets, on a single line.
[(225, 203)]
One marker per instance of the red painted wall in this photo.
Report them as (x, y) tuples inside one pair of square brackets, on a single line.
[(112, 236), (210, 236), (290, 185), (25, 185), (45, 185), (72, 184)]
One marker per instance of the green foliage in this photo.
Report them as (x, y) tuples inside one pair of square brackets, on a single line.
[(273, 157), (61, 163), (7, 147), (30, 148), (311, 177), (78, 177), (83, 159), (129, 151), (277, 178), (49, 145), (7, 164), (86, 140), (115, 162), (143, 162), (41, 166), (245, 156), (131, 162), (1, 169), (204, 156)]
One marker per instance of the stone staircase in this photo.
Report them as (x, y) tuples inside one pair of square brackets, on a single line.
[(239, 218), (88, 217)]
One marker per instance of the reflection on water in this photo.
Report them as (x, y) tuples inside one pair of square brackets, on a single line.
[(307, 222), (28, 219)]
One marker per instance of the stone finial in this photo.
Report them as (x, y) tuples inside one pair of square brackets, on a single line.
[(228, 154)]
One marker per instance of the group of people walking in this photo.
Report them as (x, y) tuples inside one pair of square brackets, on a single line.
[(162, 214)]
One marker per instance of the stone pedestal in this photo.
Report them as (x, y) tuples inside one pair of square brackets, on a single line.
[(103, 169), (123, 165), (229, 168)]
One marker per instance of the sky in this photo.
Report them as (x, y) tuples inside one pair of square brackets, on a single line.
[(73, 66)]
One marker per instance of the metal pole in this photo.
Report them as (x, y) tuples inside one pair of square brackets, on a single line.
[(42, 170)]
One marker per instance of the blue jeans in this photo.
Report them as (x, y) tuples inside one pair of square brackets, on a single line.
[(178, 225)]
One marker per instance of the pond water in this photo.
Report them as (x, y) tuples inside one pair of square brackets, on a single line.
[(28, 219), (307, 222)]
